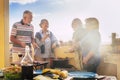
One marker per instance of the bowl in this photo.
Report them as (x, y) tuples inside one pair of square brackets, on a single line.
[(12, 73), (12, 76)]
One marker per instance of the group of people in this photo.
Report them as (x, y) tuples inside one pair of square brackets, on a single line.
[(86, 41), (22, 34)]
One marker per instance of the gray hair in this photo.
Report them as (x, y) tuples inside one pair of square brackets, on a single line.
[(26, 12), (43, 20)]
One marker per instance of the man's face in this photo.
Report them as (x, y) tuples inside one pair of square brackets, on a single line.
[(28, 18)]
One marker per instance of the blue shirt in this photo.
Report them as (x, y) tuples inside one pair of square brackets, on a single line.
[(91, 43)]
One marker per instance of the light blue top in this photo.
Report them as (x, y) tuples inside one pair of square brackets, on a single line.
[(91, 43), (47, 43)]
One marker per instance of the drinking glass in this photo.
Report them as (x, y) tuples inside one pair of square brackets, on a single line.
[(20, 56)]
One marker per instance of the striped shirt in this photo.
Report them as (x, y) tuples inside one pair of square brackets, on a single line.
[(23, 33)]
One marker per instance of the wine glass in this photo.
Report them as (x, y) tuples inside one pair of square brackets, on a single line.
[(20, 56)]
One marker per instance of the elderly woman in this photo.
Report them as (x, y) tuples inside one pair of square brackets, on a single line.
[(46, 41)]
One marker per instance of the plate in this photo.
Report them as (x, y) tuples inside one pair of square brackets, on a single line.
[(78, 74), (37, 72)]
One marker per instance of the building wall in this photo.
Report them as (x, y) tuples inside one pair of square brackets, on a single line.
[(2, 33)]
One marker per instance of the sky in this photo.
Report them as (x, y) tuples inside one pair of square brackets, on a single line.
[(60, 14)]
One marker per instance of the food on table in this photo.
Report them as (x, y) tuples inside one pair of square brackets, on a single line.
[(12, 73), (55, 73), (64, 74)]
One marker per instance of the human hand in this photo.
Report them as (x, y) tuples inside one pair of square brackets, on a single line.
[(45, 37), (35, 45), (54, 45), (85, 60), (71, 50)]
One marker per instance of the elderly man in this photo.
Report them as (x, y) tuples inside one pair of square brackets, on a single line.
[(22, 33)]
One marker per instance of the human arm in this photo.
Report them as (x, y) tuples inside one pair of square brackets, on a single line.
[(75, 46), (88, 57), (54, 40), (39, 39), (93, 46), (35, 45), (14, 35), (14, 40)]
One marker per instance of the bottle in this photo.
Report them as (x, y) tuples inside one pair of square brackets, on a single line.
[(27, 65)]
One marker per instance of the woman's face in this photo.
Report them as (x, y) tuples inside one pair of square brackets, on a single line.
[(75, 25), (45, 25)]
